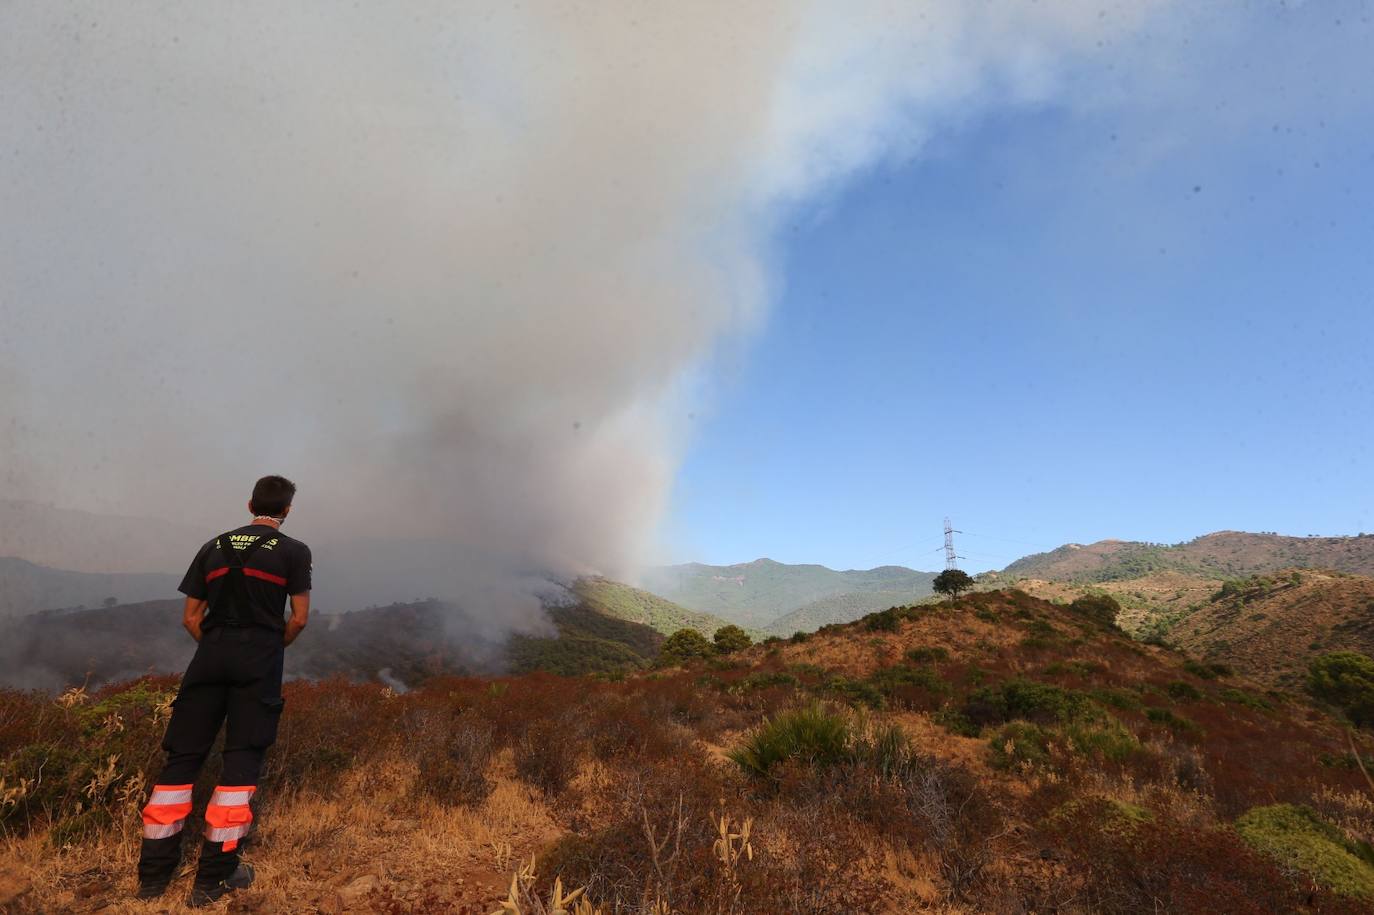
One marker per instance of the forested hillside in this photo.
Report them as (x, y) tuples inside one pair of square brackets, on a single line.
[(756, 594), (1225, 554)]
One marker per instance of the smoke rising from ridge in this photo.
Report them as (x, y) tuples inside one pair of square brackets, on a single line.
[(451, 266)]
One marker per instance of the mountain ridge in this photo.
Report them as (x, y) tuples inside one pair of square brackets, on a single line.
[(761, 592), (1220, 554)]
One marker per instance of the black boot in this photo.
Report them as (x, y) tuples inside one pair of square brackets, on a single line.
[(157, 865), (240, 879)]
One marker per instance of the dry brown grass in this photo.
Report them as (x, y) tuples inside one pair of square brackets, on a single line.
[(620, 787)]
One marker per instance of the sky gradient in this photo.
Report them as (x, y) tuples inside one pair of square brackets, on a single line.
[(1139, 316)]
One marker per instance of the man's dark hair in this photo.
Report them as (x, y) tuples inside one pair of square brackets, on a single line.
[(272, 496)]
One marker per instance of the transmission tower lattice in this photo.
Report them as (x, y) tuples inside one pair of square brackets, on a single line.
[(951, 559)]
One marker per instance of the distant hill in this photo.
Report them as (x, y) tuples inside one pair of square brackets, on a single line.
[(1226, 554), (1269, 627), (26, 587), (621, 601), (400, 644), (843, 608), (756, 594)]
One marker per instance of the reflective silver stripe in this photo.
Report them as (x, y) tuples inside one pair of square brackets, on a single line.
[(222, 798), (226, 833), (162, 830), (162, 796)]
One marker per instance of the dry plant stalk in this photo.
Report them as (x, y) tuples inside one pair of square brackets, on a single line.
[(523, 900), (663, 864), (1350, 736)]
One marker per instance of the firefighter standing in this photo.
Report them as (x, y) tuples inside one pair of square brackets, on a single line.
[(236, 591)]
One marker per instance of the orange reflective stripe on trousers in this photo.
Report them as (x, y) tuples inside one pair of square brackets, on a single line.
[(166, 811), (228, 816)]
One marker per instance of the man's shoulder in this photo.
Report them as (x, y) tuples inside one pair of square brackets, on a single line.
[(290, 543)]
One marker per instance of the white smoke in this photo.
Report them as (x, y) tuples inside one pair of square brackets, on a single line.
[(449, 265)]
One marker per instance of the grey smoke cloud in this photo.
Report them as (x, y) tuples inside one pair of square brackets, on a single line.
[(450, 265)]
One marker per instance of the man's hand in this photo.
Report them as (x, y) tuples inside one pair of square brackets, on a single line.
[(192, 615), (300, 615)]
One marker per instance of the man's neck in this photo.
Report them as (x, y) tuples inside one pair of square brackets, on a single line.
[(267, 521)]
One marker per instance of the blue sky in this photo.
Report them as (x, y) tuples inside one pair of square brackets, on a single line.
[(1146, 317)]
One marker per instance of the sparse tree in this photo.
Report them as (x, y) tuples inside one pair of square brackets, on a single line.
[(732, 638), (952, 582), (684, 645), (1101, 607), (1346, 680)]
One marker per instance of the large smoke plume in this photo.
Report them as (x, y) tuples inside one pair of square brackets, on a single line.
[(455, 267)]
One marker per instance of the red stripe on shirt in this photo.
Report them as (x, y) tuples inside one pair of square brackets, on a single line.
[(251, 573)]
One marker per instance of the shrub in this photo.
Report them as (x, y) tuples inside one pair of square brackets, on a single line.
[(1183, 692), (812, 735), (1346, 680), (1025, 699), (926, 654), (1296, 837), (1174, 722), (954, 721), (1076, 668), (889, 680), (798, 637), (731, 638), (545, 757), (1106, 739), (1107, 814), (453, 762), (1249, 700), (1100, 608), (888, 620), (1156, 866), (1205, 671), (1018, 744), (683, 646), (860, 691), (764, 679), (1115, 697)]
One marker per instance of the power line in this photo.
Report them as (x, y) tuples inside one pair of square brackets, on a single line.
[(1038, 546)]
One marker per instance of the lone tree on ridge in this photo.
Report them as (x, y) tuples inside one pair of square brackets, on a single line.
[(952, 582)]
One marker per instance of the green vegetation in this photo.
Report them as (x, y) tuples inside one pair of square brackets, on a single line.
[(1346, 680), (624, 602), (1020, 743), (1249, 700), (588, 641), (1106, 813), (1296, 837), (1183, 692), (819, 738), (731, 638), (952, 582), (1173, 721), (763, 593), (1205, 671), (1028, 700), (926, 654), (844, 608), (1101, 608), (812, 735), (685, 645)]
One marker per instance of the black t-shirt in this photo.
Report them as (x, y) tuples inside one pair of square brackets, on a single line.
[(279, 567)]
